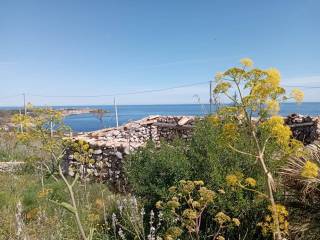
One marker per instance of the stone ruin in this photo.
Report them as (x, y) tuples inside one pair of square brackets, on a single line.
[(304, 128), (110, 146)]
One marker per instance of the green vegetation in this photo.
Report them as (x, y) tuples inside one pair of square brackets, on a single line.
[(231, 180)]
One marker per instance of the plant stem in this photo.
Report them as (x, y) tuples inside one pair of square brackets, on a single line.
[(73, 201)]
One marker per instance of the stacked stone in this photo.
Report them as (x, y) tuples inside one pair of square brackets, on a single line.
[(172, 127), (108, 147), (304, 128)]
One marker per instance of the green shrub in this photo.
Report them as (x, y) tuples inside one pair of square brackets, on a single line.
[(151, 170)]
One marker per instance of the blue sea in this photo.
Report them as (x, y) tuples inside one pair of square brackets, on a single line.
[(126, 113)]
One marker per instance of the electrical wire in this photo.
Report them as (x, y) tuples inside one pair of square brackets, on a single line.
[(121, 94)]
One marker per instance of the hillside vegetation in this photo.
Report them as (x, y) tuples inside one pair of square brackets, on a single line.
[(231, 180)]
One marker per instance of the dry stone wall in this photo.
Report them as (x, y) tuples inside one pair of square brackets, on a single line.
[(108, 147)]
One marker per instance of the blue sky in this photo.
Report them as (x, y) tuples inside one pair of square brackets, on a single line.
[(106, 47)]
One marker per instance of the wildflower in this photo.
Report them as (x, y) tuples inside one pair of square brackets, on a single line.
[(182, 182), (236, 221), (219, 76), (159, 204), (188, 187), (220, 238), (281, 132), (196, 204), (232, 180), (269, 225), (175, 199), (273, 107), (230, 131), (214, 120), (173, 233), (251, 182), (222, 87), (198, 183), (222, 218), (173, 204), (310, 170), (172, 189), (189, 214), (207, 195), (297, 94), (273, 77), (247, 62), (221, 191)]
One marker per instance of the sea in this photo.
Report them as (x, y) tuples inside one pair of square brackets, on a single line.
[(126, 113)]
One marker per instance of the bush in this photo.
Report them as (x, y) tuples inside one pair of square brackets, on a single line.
[(151, 170), (154, 169)]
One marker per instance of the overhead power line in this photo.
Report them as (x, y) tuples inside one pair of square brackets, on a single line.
[(138, 92), (11, 96), (120, 94)]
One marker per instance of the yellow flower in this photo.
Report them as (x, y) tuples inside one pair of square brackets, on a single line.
[(220, 238), (310, 170), (251, 182), (222, 218), (273, 106), (221, 191), (214, 120), (207, 196), (173, 204), (280, 132), (230, 131), (159, 204), (274, 77), (269, 226), (219, 76), (172, 189), (189, 214), (247, 62), (232, 180), (196, 204), (236, 221), (188, 187), (198, 183), (173, 233), (222, 87), (298, 95)]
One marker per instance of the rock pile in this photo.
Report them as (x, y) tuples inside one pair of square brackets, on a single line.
[(109, 146), (304, 128)]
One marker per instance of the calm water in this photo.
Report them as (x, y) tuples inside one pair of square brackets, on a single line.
[(126, 113), (88, 122)]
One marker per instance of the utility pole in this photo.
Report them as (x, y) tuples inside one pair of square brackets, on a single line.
[(116, 111), (210, 99), (24, 104), (51, 127), (21, 126)]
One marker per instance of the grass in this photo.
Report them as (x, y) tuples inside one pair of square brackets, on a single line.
[(43, 217)]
